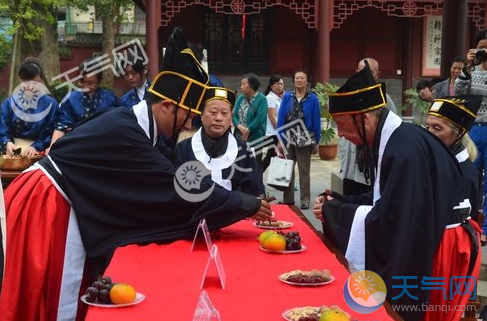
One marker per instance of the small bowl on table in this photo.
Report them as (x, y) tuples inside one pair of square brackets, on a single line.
[(17, 163)]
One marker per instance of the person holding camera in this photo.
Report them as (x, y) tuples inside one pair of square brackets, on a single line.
[(473, 80)]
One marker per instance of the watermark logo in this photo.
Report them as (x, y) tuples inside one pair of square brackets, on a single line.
[(25, 99), (364, 291), (188, 178)]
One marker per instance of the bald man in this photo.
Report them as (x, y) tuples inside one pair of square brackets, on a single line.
[(374, 67), (354, 181)]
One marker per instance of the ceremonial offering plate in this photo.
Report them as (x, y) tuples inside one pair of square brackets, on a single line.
[(303, 248), (307, 278), (314, 313), (273, 225), (139, 297), (295, 314)]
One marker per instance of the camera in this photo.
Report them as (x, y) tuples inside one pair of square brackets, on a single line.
[(480, 56)]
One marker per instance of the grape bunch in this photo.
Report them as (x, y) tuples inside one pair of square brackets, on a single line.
[(99, 291), (312, 317), (293, 240)]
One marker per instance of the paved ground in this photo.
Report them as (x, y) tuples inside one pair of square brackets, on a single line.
[(320, 180)]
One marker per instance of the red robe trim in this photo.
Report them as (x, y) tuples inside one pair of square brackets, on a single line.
[(452, 259), (37, 225)]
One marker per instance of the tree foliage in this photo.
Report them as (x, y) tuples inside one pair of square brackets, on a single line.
[(25, 15), (419, 106), (111, 13), (114, 9), (30, 21)]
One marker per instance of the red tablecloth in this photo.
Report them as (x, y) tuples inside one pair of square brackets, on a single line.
[(170, 276)]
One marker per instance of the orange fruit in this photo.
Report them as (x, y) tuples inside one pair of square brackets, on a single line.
[(264, 235), (275, 242), (122, 293), (334, 315)]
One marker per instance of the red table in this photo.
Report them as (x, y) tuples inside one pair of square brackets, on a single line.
[(170, 276)]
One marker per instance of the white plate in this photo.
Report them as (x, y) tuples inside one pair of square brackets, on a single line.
[(283, 226), (285, 313), (303, 248), (281, 277), (139, 297)]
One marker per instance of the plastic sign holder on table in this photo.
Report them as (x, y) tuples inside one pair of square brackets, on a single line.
[(202, 226), (205, 310), (215, 257)]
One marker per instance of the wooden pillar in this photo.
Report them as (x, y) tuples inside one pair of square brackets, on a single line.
[(453, 33), (153, 22), (325, 15), (407, 66)]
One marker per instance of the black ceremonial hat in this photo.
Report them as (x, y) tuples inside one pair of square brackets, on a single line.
[(220, 93), (182, 79), (460, 110), (360, 94)]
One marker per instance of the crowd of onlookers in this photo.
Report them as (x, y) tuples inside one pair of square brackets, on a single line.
[(32, 120)]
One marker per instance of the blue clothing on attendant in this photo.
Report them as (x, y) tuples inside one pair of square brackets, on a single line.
[(40, 131), (214, 81), (80, 106), (131, 97), (311, 110)]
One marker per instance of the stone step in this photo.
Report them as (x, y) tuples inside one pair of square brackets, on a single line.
[(482, 293), (483, 272)]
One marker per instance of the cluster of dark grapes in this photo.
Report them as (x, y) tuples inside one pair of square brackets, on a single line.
[(99, 291), (293, 240), (303, 278), (312, 317)]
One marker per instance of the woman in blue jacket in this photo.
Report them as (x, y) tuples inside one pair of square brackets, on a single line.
[(299, 108)]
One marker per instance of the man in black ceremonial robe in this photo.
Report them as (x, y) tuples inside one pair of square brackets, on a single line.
[(106, 184), (394, 231)]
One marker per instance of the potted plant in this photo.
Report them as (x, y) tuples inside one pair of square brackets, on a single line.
[(419, 105), (327, 146)]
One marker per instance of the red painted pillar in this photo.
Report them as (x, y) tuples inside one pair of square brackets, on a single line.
[(325, 18), (152, 23), (453, 33)]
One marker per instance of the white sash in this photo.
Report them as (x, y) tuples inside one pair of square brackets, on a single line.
[(216, 165)]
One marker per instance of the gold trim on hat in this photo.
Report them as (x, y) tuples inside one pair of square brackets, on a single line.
[(457, 103), (191, 53), (448, 119), (219, 98), (191, 81), (359, 111), (358, 91)]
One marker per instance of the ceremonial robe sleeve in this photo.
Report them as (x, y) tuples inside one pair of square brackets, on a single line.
[(5, 123), (123, 189)]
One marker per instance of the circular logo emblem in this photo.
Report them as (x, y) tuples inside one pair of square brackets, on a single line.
[(364, 291), (25, 99), (188, 177)]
